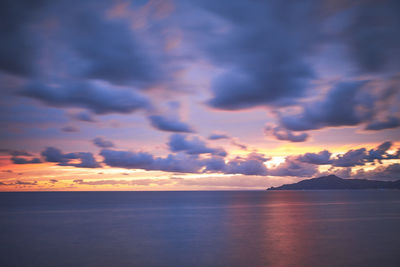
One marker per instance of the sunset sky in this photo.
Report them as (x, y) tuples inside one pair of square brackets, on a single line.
[(197, 95)]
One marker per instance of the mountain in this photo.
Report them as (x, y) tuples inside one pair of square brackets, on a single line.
[(334, 182)]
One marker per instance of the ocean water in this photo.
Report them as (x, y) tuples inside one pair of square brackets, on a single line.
[(274, 228)]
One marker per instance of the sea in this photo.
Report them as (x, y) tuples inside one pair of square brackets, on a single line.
[(201, 228)]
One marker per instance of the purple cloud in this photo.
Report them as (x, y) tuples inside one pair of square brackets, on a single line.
[(167, 124), (52, 154), (101, 142), (194, 146)]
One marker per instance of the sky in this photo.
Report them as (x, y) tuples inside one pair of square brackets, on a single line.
[(197, 94)]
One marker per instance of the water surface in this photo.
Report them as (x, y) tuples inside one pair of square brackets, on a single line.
[(274, 228)]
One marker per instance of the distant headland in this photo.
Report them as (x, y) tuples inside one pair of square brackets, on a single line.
[(331, 182)]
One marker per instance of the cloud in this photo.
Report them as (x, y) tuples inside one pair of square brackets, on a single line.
[(18, 49), (18, 182), (351, 158), (262, 53), (237, 144), (362, 156), (83, 116), (234, 141), (101, 142), (16, 153), (380, 153), (19, 160), (142, 160), (320, 158), (390, 172), (89, 44), (21, 156), (194, 146), (253, 164), (70, 129), (341, 106), (108, 48), (218, 136), (99, 97), (52, 154), (389, 123), (293, 167), (286, 135), (169, 124), (368, 102), (372, 35)]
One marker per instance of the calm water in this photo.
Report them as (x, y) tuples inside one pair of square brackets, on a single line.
[(280, 228)]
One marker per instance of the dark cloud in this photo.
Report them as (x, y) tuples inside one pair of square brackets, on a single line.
[(18, 48), (101, 142), (18, 182), (20, 153), (86, 159), (362, 156), (253, 164), (214, 164), (83, 116), (109, 49), (53, 181), (167, 124), (52, 154), (351, 158), (99, 97), (379, 153), (20, 156), (87, 42), (70, 129), (286, 135), (19, 160), (372, 103), (218, 136), (390, 172), (372, 35), (142, 160), (389, 123), (293, 167), (262, 50), (342, 106), (320, 158), (15, 153), (262, 71), (239, 145), (194, 146)]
